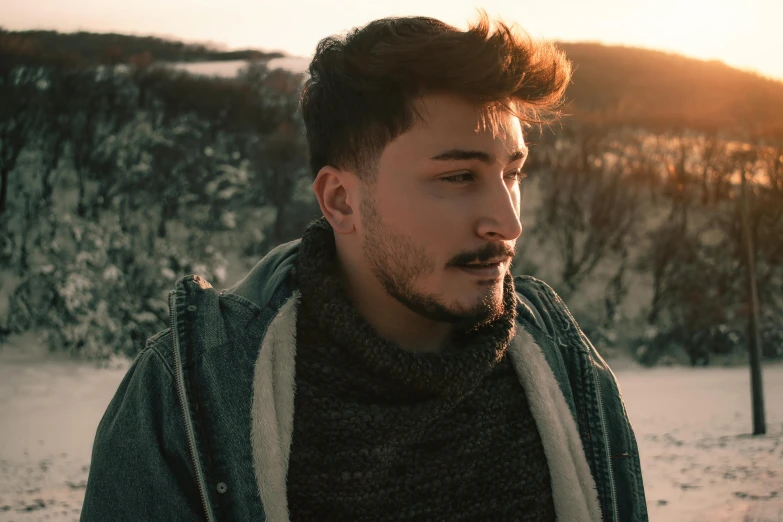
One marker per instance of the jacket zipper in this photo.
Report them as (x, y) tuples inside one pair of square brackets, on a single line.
[(180, 378), (606, 439)]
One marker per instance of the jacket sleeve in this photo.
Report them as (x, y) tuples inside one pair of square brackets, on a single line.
[(141, 467)]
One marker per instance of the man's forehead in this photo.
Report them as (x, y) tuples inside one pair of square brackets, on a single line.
[(453, 129)]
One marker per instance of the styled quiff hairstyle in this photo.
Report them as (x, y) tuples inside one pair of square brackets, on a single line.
[(363, 87)]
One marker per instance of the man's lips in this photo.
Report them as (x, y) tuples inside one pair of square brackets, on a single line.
[(488, 270)]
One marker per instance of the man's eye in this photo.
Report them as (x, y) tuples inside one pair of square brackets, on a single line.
[(516, 174), (459, 178)]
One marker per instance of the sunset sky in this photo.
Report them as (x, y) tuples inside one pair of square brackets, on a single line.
[(745, 34)]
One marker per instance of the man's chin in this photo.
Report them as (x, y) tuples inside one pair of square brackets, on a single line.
[(484, 314), (462, 316), (478, 311)]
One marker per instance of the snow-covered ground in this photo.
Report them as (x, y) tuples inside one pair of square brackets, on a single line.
[(49, 410), (699, 462)]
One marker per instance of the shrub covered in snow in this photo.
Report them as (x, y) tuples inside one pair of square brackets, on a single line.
[(103, 290), (121, 179), (129, 178)]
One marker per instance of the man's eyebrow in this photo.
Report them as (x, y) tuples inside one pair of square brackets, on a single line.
[(489, 159)]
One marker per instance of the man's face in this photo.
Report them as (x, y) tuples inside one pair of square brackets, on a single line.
[(440, 221)]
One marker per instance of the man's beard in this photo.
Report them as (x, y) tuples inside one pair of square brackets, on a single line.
[(398, 263)]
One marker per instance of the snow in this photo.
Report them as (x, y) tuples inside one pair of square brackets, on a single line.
[(49, 410), (692, 425), (223, 69), (230, 68), (699, 461)]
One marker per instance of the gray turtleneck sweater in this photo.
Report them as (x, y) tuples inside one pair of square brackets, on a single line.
[(384, 434)]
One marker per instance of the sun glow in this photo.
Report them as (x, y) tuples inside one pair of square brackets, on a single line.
[(743, 34), (703, 28)]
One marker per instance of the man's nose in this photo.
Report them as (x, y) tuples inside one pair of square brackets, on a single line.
[(499, 217)]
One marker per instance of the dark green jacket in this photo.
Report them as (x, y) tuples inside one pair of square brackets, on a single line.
[(174, 443)]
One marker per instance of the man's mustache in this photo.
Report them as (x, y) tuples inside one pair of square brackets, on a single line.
[(483, 254)]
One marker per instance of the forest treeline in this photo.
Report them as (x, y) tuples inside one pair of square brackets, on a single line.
[(87, 48), (119, 177)]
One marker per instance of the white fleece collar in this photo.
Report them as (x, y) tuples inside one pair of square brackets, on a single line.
[(573, 488), (273, 410)]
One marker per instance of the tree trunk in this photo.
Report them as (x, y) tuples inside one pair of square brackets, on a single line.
[(169, 210), (705, 187), (3, 189), (51, 161), (162, 223), (754, 345), (655, 306), (81, 208)]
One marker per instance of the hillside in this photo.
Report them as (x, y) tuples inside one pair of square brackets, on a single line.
[(656, 90), (664, 90), (90, 48), (652, 89)]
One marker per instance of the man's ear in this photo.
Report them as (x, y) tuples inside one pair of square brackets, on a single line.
[(334, 189)]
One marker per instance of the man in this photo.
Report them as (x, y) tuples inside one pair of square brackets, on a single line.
[(387, 366)]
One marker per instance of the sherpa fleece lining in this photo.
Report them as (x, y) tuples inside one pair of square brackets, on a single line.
[(573, 488)]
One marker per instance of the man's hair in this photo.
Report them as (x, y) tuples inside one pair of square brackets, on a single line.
[(363, 87)]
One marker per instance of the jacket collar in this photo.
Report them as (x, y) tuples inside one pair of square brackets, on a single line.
[(261, 283)]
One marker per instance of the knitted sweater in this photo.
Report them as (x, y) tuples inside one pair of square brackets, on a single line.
[(384, 434)]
